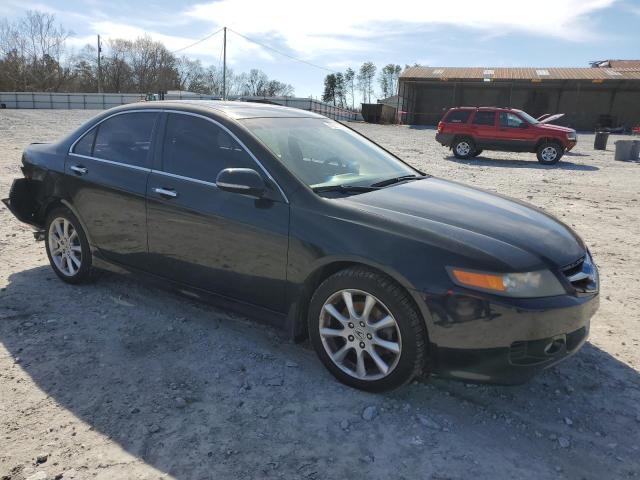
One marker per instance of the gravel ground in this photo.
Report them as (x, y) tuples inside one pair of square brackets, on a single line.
[(117, 379)]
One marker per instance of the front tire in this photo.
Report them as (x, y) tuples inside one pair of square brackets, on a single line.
[(67, 247), (463, 148), (366, 330), (549, 153)]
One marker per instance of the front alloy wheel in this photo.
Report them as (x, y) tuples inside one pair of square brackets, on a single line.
[(366, 330), (360, 335), (549, 153)]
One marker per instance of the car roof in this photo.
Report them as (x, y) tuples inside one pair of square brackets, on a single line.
[(486, 108), (233, 109)]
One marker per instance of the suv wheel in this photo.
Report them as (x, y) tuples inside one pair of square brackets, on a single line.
[(463, 148), (366, 330), (67, 247), (549, 153)]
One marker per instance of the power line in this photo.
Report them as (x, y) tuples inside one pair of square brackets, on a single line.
[(197, 42), (282, 53)]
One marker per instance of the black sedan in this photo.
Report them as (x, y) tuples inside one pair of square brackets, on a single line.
[(300, 221)]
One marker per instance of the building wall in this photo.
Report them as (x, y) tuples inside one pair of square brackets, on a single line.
[(584, 103)]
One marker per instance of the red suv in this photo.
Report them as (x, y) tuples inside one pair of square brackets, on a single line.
[(470, 130)]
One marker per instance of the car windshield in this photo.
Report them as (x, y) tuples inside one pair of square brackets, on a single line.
[(324, 153), (528, 118)]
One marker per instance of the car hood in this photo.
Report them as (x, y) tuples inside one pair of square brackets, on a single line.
[(508, 221), (554, 128)]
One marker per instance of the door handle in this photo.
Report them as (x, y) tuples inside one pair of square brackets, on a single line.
[(79, 169), (165, 192)]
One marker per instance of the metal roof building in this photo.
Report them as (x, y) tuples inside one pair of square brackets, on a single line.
[(606, 94)]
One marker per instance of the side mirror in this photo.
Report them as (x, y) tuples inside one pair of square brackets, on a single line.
[(241, 180)]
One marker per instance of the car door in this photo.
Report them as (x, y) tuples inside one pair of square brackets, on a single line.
[(228, 243), (106, 176), (483, 128), (514, 133)]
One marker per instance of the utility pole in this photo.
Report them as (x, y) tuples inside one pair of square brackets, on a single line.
[(224, 66), (99, 67)]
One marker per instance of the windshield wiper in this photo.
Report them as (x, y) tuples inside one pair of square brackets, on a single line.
[(391, 181), (343, 188)]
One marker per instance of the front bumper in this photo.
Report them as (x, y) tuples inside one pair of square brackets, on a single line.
[(505, 341), (571, 144)]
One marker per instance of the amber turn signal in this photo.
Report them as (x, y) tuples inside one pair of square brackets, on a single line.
[(479, 280)]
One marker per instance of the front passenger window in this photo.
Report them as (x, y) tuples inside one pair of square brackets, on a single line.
[(197, 148), (509, 120)]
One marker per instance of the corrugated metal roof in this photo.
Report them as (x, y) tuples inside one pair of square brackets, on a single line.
[(536, 73)]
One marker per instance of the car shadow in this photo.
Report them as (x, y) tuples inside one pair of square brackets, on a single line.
[(197, 392), (506, 163), (576, 154)]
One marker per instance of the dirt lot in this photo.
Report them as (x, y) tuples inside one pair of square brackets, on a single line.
[(119, 380)]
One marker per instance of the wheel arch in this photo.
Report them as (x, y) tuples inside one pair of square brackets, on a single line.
[(543, 140), (319, 273), (57, 202)]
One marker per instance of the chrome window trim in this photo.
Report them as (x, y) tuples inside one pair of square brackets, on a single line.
[(111, 162), (163, 110), (180, 177), (145, 110)]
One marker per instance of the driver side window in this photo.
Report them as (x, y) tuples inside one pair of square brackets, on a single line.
[(509, 120), (197, 148)]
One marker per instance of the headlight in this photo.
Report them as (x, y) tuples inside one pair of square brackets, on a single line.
[(542, 283), (571, 136)]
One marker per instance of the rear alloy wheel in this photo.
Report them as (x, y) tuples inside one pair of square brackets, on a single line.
[(67, 247), (366, 330), (549, 153), (463, 148)]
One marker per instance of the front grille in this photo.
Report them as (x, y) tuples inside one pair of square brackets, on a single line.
[(582, 275)]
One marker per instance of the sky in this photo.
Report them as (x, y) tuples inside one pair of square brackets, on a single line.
[(335, 34)]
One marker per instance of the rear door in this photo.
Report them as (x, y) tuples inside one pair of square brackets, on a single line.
[(223, 242), (483, 128), (106, 172)]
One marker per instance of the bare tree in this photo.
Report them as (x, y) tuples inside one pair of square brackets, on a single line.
[(388, 79), (34, 46), (349, 81), (365, 80)]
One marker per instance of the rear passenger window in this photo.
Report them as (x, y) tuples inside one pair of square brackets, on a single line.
[(458, 116), (484, 118), (85, 145), (126, 138), (197, 148)]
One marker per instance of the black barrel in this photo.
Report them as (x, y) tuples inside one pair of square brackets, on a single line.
[(600, 143)]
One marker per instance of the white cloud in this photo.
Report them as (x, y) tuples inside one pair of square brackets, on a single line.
[(304, 29)]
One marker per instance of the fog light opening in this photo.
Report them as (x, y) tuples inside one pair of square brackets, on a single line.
[(555, 345)]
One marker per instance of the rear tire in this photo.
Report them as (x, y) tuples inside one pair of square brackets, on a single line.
[(463, 148), (67, 246), (549, 153), (477, 152), (367, 331)]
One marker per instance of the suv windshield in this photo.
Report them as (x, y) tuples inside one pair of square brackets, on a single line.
[(323, 152), (528, 118)]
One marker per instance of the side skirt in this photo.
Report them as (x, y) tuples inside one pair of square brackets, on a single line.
[(255, 313)]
